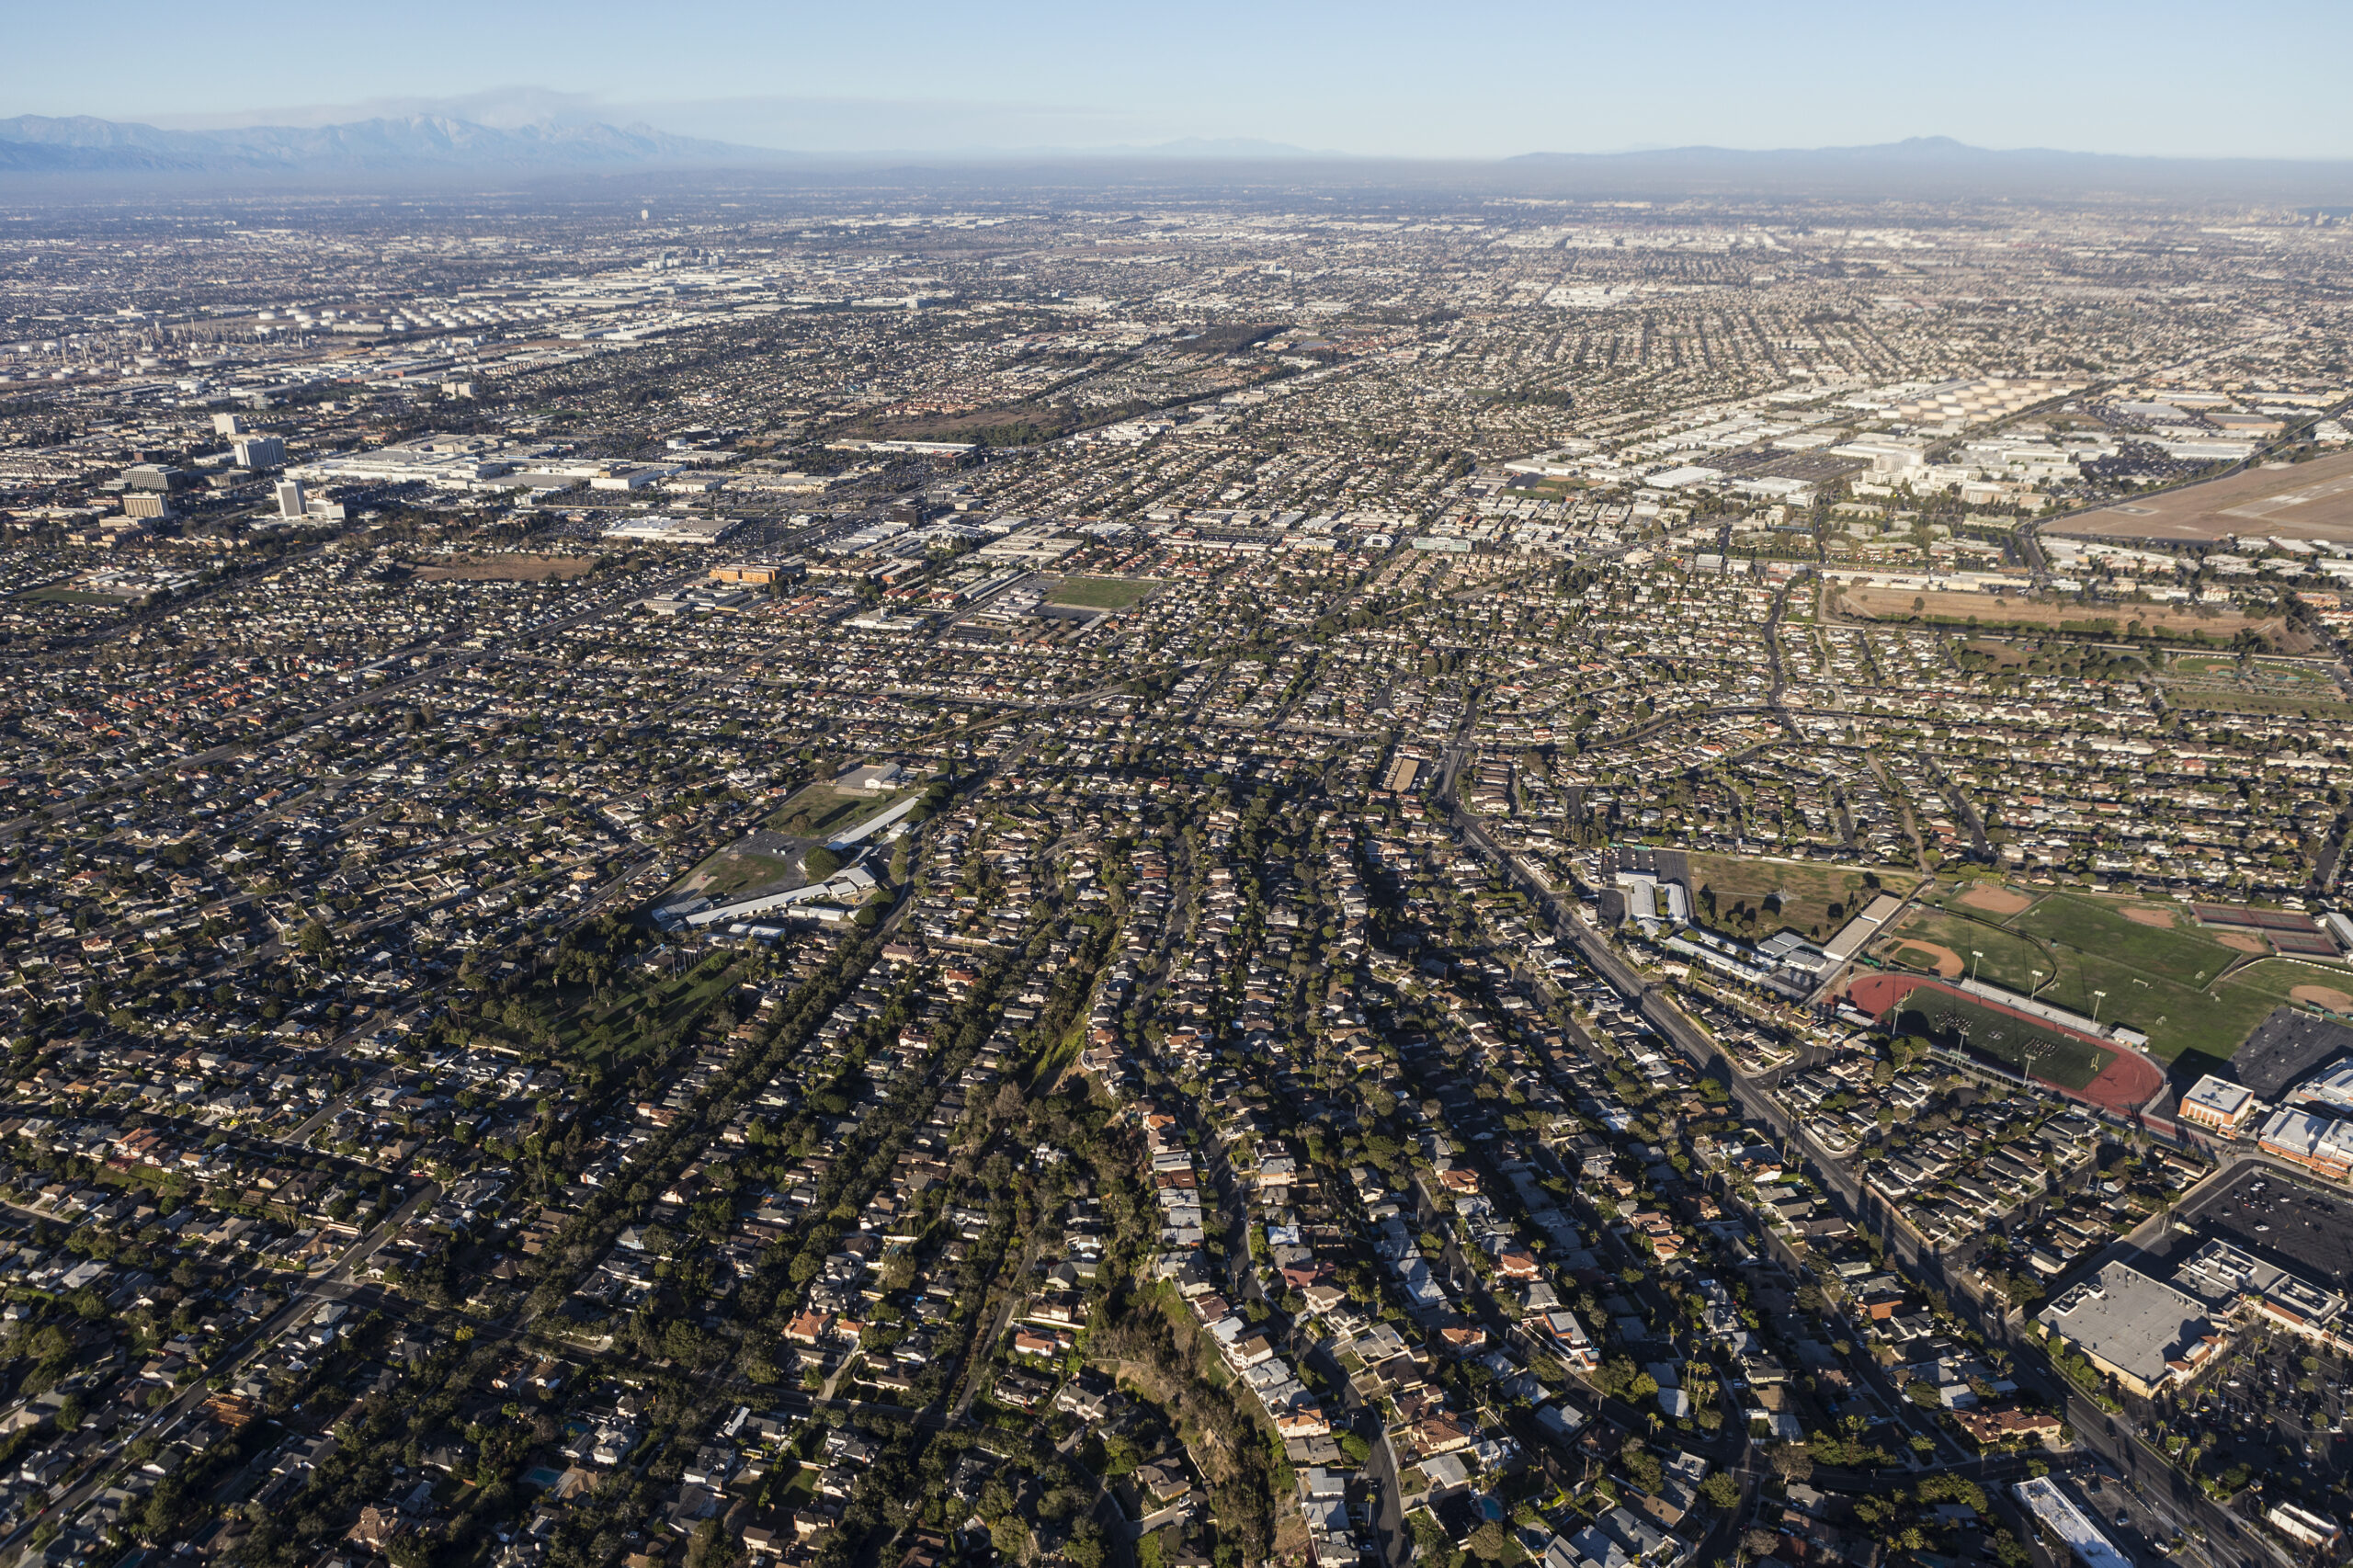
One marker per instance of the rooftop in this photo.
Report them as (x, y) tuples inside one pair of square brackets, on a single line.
[(2142, 1328)]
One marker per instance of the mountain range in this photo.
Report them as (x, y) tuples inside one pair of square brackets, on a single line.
[(36, 143), (441, 146)]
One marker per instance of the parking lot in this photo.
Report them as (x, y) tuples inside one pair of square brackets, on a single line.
[(2279, 1219)]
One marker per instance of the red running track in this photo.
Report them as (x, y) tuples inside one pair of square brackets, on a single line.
[(2128, 1081)]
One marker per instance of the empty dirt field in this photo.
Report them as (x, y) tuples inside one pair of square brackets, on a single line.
[(2180, 621), (505, 568), (2309, 500)]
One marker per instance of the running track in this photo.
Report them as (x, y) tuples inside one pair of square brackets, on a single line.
[(2128, 1081)]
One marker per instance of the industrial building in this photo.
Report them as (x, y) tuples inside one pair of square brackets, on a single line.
[(674, 531)]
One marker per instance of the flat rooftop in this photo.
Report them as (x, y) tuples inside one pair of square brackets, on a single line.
[(2136, 1323), (2289, 1045)]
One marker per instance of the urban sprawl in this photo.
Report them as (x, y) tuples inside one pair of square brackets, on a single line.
[(1168, 879)]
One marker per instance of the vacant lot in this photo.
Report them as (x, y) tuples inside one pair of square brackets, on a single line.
[(1816, 899), (505, 568), (2309, 500), (2181, 622), (1101, 593)]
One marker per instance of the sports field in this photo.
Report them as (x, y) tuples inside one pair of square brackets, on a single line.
[(2014, 1041), (1102, 593), (80, 596), (504, 568), (2181, 622), (2133, 961), (821, 809), (733, 871)]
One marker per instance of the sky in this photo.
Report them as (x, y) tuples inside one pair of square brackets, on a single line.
[(1368, 77)]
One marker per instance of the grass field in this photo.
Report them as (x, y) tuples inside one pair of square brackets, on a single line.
[(733, 871), (1102, 593), (2014, 1041), (2008, 959), (2313, 704), (505, 569), (1991, 610), (78, 596), (821, 809), (650, 1008), (1807, 891), (2162, 980)]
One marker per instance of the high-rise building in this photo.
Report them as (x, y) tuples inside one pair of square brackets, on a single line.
[(146, 504), (153, 476), (291, 503), (258, 451)]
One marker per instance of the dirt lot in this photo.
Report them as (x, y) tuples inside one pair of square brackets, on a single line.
[(507, 569), (2010, 610), (2309, 500)]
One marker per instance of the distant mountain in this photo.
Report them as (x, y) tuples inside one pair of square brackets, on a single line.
[(1213, 147), (428, 147), (36, 143), (1927, 165)]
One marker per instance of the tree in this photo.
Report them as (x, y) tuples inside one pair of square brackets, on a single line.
[(1719, 1490), (1643, 1466), (1010, 1537), (819, 863), (315, 941), (1791, 1462)]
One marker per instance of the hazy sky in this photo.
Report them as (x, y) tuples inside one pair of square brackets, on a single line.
[(1366, 76)]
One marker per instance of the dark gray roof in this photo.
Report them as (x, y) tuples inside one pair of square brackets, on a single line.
[(2289, 1045)]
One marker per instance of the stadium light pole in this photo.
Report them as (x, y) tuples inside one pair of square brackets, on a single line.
[(2097, 997), (1973, 956)]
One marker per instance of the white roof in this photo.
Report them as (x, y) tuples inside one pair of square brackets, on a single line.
[(2053, 1507), (2219, 1096)]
